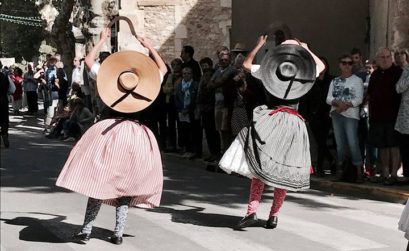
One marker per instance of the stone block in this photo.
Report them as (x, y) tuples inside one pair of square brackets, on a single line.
[(225, 3), (181, 31), (156, 2)]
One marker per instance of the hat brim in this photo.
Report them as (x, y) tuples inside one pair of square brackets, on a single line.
[(284, 88), (117, 98), (239, 50)]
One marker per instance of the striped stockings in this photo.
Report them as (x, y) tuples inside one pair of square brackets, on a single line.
[(256, 190), (93, 207)]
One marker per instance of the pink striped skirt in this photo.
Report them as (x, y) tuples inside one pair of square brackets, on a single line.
[(114, 159)]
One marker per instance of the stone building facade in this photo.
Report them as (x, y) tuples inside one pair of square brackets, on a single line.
[(389, 24), (170, 24), (331, 30)]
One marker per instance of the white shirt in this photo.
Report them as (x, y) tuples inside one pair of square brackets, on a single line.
[(76, 76), (349, 89)]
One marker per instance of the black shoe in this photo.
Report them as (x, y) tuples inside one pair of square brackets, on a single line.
[(211, 168), (247, 221), (390, 182), (272, 222), (116, 240), (211, 158), (81, 236)]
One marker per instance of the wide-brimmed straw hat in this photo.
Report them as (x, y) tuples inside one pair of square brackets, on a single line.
[(239, 47), (128, 81), (289, 70)]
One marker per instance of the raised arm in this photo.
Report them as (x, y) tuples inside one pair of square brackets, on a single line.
[(92, 55), (248, 61), (154, 54)]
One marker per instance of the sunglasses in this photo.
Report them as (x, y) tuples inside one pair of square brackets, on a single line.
[(346, 62)]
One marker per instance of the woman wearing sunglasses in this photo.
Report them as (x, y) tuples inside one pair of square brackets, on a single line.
[(345, 94)]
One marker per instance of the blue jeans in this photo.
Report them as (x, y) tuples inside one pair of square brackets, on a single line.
[(346, 137)]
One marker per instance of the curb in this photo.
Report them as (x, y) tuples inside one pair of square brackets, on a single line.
[(361, 190), (365, 191)]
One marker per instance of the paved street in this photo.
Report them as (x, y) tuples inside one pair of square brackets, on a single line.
[(197, 212)]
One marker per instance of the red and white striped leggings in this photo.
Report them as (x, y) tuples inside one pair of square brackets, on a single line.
[(256, 191)]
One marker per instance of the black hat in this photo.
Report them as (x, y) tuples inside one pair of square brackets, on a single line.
[(288, 71)]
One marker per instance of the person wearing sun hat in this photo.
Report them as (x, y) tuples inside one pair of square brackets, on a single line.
[(117, 161), (274, 149)]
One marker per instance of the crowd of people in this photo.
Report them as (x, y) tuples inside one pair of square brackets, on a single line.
[(364, 108)]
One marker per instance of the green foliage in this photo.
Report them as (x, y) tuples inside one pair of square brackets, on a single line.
[(18, 40)]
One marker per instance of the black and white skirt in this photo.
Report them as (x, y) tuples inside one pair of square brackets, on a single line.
[(275, 149)]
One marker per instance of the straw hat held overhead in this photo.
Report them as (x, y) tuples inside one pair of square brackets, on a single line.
[(128, 81)]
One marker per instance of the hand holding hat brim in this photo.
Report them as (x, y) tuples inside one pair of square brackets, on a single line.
[(320, 66), (288, 71)]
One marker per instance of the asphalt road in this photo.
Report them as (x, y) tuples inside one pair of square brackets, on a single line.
[(198, 209)]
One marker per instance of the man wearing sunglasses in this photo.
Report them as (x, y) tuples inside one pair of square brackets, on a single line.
[(345, 94)]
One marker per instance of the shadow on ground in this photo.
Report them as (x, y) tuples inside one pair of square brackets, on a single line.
[(50, 230)]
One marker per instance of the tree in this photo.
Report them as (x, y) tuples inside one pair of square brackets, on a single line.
[(61, 34), (20, 37)]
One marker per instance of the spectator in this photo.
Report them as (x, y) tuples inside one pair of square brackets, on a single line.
[(186, 93), (62, 86), (18, 94), (188, 61), (358, 66), (345, 94), (7, 87), (169, 90), (402, 57), (239, 53), (58, 120), (39, 76), (315, 110), (205, 102), (402, 121), (94, 66), (206, 63), (383, 110), (368, 152), (80, 120), (30, 88), (80, 77), (221, 83), (221, 51), (51, 90)]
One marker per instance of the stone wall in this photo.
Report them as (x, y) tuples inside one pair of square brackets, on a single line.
[(170, 24), (389, 24), (400, 24)]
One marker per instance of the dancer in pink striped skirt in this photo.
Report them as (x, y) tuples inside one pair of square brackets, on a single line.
[(117, 161), (274, 150)]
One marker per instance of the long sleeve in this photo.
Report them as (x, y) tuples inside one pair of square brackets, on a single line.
[(330, 98), (86, 116), (168, 87), (403, 83), (12, 86), (358, 98)]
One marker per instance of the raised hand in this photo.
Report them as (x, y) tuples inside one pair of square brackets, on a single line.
[(105, 34)]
